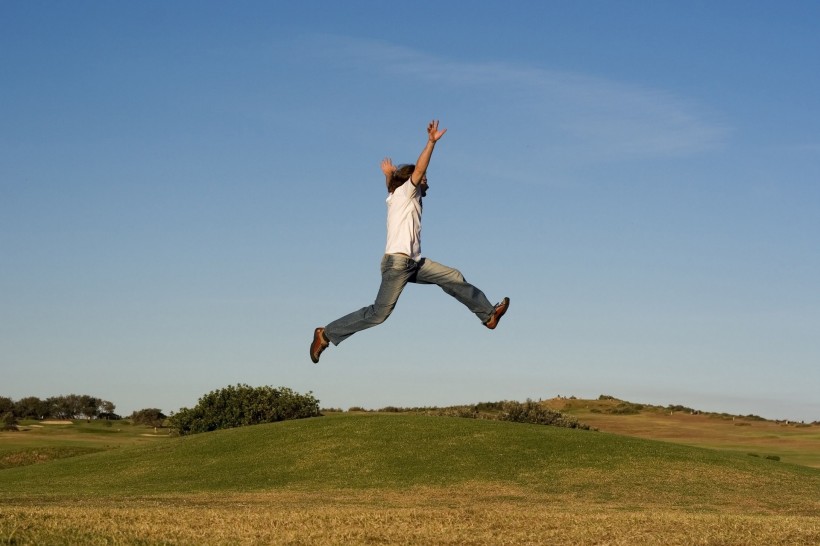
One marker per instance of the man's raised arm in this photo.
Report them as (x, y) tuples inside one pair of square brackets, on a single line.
[(433, 135)]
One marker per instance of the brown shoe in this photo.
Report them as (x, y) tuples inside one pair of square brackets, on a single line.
[(498, 312), (320, 343)]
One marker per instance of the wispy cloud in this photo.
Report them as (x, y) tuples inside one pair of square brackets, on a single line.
[(585, 115)]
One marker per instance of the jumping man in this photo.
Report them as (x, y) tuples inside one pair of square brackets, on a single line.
[(403, 262)]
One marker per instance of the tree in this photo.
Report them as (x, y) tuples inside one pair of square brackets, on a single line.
[(107, 411), (8, 421), (63, 407), (78, 406), (152, 417), (31, 407), (241, 405), (72, 406), (89, 406)]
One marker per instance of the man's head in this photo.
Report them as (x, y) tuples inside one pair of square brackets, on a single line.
[(402, 174)]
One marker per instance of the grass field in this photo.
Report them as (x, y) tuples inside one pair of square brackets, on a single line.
[(39, 442), (405, 479), (791, 442)]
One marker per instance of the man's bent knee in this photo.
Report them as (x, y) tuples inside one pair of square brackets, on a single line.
[(379, 314)]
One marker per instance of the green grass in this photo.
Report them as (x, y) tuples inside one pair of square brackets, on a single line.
[(401, 451), (408, 479), (37, 443)]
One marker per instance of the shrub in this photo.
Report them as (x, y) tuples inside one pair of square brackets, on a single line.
[(469, 412), (679, 408), (533, 412), (490, 406), (242, 405), (626, 408)]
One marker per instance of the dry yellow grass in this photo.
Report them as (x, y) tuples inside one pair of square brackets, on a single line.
[(466, 515)]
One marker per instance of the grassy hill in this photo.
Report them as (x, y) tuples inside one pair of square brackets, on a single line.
[(380, 478), (788, 441)]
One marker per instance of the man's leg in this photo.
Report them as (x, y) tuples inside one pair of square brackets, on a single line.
[(453, 283), (396, 271)]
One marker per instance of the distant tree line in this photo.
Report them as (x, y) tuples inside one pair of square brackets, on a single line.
[(71, 406), (230, 407), (242, 405)]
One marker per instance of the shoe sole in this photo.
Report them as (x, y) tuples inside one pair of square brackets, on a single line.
[(506, 307), (315, 358)]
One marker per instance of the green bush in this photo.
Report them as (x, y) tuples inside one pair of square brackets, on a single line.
[(535, 413), (679, 408), (490, 406), (626, 408), (242, 405)]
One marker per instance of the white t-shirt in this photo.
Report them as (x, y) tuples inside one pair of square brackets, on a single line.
[(404, 221)]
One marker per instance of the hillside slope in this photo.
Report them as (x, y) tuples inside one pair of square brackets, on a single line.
[(396, 452), (791, 442)]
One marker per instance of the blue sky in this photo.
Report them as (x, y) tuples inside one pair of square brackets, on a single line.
[(187, 189)]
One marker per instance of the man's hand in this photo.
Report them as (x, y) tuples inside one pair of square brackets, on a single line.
[(387, 167), (433, 134)]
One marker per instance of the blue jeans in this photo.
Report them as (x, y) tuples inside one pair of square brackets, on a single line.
[(397, 271)]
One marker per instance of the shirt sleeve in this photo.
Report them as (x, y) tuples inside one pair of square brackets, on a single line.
[(408, 189)]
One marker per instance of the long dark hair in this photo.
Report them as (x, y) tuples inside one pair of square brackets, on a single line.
[(400, 176)]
